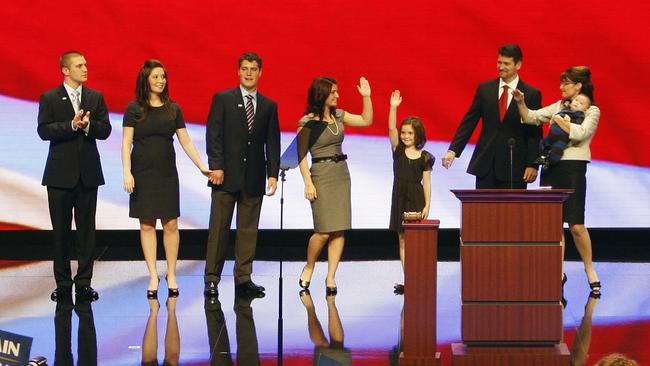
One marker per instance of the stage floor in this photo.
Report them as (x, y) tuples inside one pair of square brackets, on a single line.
[(360, 326)]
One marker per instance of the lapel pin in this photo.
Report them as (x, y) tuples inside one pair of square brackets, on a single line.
[(240, 105), (64, 98)]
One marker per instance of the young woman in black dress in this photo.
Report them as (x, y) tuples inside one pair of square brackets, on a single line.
[(149, 167)]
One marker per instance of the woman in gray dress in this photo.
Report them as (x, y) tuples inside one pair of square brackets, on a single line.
[(327, 182)]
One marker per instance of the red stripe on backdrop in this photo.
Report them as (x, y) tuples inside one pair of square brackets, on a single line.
[(12, 226), (434, 52)]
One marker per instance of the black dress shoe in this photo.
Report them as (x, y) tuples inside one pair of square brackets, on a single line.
[(210, 289), (87, 293), (61, 293), (250, 287)]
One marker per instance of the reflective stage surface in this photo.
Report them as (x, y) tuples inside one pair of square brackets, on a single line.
[(360, 326)]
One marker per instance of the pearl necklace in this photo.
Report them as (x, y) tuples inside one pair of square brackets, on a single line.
[(337, 128)]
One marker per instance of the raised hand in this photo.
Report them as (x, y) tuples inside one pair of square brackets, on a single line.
[(518, 95), (395, 99), (363, 87)]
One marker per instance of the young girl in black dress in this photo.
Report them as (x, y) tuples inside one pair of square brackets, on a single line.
[(411, 173)]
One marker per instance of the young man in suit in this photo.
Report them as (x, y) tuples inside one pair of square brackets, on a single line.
[(502, 130), (72, 117), (243, 148)]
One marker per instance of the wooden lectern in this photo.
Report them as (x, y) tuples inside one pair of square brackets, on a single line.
[(420, 275), (511, 265)]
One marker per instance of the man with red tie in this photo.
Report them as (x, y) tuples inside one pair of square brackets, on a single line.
[(502, 131)]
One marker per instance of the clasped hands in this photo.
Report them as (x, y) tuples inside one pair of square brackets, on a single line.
[(81, 119)]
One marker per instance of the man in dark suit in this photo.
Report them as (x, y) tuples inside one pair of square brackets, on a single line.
[(243, 148), (501, 129), (72, 117)]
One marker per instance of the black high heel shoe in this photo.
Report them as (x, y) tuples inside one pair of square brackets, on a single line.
[(171, 292), (153, 294), (330, 291), (301, 283), (595, 286)]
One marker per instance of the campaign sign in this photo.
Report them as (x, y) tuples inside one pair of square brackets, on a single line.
[(14, 349)]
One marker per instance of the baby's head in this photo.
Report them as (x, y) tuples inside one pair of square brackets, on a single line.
[(580, 103)]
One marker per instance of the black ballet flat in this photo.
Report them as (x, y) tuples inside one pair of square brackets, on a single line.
[(398, 289), (595, 286)]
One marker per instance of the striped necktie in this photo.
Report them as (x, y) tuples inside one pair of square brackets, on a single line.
[(76, 100), (250, 112)]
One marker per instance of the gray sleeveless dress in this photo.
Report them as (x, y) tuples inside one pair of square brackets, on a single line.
[(332, 209)]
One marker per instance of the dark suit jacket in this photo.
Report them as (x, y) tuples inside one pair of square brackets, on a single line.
[(73, 156), (492, 151), (247, 159)]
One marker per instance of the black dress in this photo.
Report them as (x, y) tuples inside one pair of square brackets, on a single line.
[(153, 161), (408, 193)]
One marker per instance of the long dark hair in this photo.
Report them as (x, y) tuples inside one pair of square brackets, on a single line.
[(143, 89), (317, 94), (582, 75), (418, 128)]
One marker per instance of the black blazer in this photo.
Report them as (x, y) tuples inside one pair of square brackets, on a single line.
[(73, 156), (247, 159), (492, 151)]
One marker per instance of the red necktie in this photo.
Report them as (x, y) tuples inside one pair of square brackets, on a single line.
[(503, 103)]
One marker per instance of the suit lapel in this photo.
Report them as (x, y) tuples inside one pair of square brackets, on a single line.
[(241, 108), (258, 111), (65, 102), (84, 98), (493, 97)]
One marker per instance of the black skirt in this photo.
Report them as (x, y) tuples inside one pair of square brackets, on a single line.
[(569, 174)]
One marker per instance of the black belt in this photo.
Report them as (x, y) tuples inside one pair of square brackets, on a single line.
[(334, 158)]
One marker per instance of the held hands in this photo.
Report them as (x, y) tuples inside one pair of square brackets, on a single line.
[(271, 186), (395, 99), (364, 87), (216, 177), (310, 192), (129, 182), (205, 171), (448, 159)]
